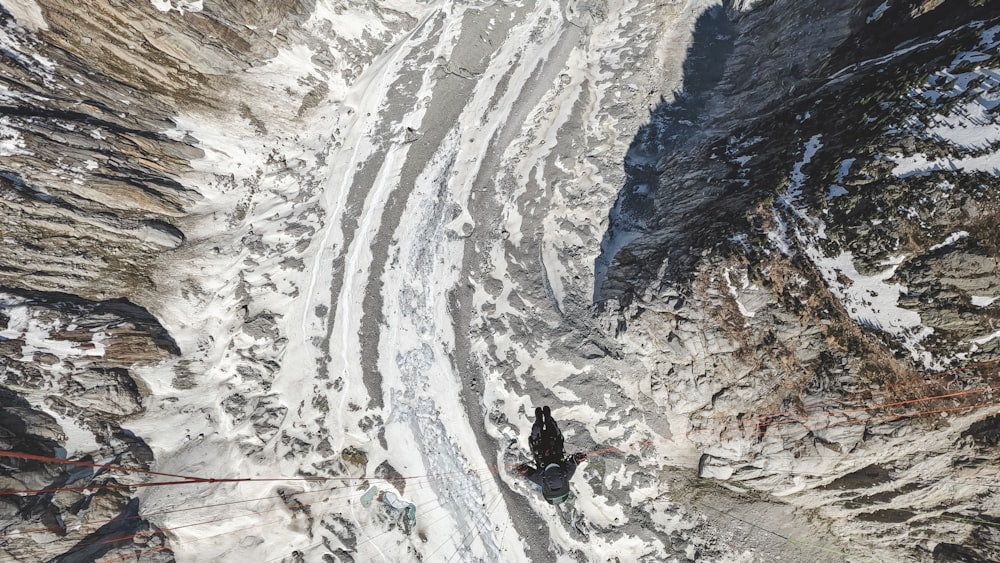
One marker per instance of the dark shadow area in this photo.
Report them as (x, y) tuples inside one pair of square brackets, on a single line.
[(117, 533), (18, 434), (799, 73), (958, 553), (112, 311), (670, 125)]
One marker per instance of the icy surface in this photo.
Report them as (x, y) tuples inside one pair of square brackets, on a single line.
[(392, 265), (411, 198), (874, 16)]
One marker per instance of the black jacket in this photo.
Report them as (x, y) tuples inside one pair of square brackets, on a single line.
[(553, 478)]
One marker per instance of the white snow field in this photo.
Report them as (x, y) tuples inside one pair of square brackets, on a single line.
[(393, 263), (394, 246)]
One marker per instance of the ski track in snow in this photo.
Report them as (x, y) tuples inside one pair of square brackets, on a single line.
[(499, 94)]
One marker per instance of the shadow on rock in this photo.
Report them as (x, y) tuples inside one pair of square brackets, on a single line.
[(672, 124)]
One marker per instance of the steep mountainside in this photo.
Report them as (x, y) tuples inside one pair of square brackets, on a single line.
[(817, 268), (93, 195), (316, 262)]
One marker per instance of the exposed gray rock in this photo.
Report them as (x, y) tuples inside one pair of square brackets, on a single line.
[(90, 192), (755, 342)]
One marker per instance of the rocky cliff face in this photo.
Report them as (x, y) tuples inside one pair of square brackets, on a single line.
[(92, 197), (813, 285)]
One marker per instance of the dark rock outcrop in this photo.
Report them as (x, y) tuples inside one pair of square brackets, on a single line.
[(819, 243), (91, 195)]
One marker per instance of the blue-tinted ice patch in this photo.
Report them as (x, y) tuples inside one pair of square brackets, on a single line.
[(877, 14), (845, 168)]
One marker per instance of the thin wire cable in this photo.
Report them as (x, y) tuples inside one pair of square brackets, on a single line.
[(420, 482), (193, 480), (200, 479), (249, 514), (503, 536), (148, 515), (105, 486), (203, 480), (79, 463), (481, 519), (257, 513), (456, 531), (493, 502), (233, 517), (438, 502), (425, 484)]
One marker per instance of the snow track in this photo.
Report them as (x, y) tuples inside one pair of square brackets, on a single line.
[(451, 162)]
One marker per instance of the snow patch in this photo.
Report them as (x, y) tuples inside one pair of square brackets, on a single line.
[(11, 143), (79, 440), (179, 5), (919, 165), (36, 334), (779, 234), (798, 177), (952, 239), (871, 300), (879, 11), (844, 169), (835, 192), (987, 338), (744, 284), (983, 301), (27, 13), (969, 126), (965, 103)]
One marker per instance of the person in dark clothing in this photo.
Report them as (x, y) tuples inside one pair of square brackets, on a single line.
[(553, 468)]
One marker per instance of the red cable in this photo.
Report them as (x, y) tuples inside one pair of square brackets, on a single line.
[(195, 480), (192, 480), (10, 492), (491, 468)]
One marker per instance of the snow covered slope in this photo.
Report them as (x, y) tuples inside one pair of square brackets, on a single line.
[(320, 260)]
